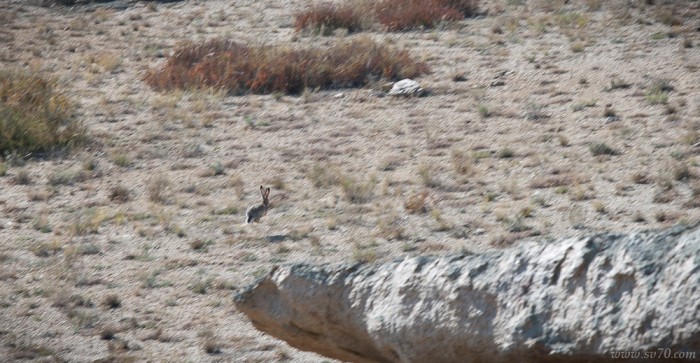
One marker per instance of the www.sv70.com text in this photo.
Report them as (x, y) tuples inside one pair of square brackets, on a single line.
[(652, 354)]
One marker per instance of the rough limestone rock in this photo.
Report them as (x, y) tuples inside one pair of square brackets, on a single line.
[(406, 87), (579, 299)]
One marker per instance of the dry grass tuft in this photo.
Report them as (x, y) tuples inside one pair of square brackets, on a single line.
[(120, 194), (240, 68), (300, 233), (212, 346), (364, 254), (426, 173), (157, 187), (199, 244), (22, 349), (35, 117), (108, 332), (59, 2), (599, 148), (236, 182), (505, 240), (22, 178), (641, 178), (417, 202), (681, 172), (462, 162), (357, 191), (210, 342), (111, 301), (323, 175), (665, 193), (65, 177), (694, 201), (556, 180), (389, 228)]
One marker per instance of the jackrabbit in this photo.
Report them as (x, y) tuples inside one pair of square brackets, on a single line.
[(255, 212)]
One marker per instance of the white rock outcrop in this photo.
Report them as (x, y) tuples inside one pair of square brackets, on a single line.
[(579, 299)]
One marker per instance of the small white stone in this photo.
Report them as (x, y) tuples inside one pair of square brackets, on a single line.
[(406, 87)]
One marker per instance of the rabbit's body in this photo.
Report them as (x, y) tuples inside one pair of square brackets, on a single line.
[(254, 213)]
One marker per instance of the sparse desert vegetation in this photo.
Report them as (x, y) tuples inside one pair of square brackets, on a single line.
[(133, 138)]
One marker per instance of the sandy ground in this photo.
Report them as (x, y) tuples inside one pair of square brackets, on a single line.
[(520, 92)]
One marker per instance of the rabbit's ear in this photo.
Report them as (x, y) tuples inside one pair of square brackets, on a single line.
[(262, 192), (267, 193)]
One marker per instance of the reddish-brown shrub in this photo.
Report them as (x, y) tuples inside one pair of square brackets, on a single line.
[(240, 68), (406, 14), (394, 15), (328, 16)]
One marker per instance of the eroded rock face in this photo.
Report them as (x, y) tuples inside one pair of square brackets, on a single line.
[(573, 300)]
